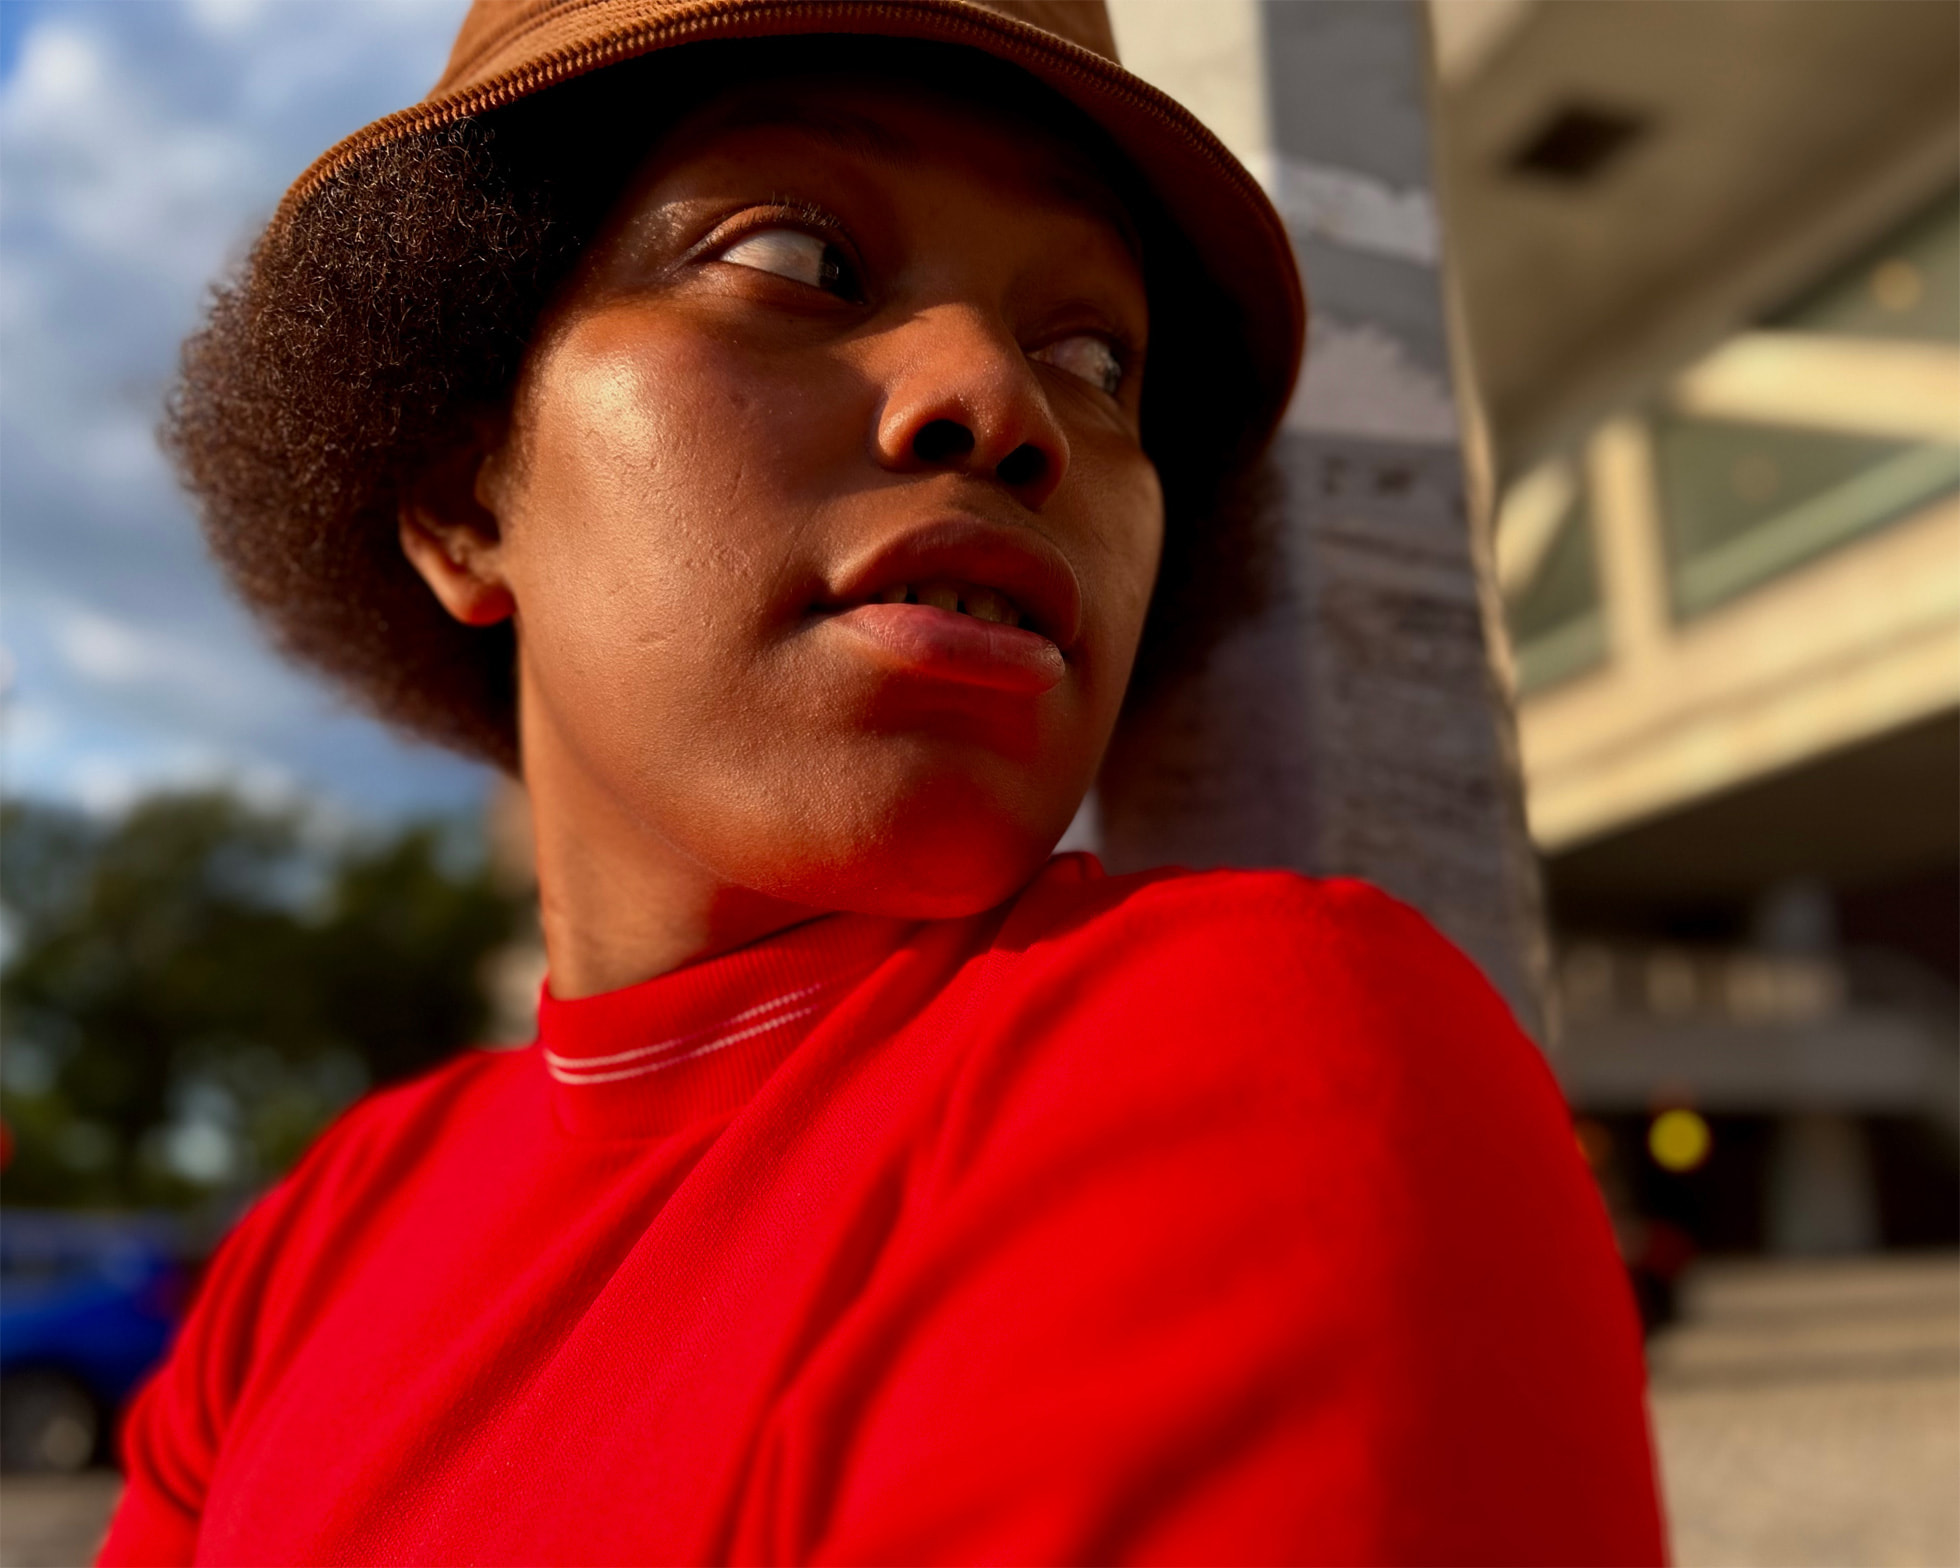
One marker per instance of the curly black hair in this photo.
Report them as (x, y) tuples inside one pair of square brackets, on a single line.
[(369, 329)]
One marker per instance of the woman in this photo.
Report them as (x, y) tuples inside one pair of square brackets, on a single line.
[(775, 428)]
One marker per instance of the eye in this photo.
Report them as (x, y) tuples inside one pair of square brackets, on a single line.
[(1086, 357), (800, 257)]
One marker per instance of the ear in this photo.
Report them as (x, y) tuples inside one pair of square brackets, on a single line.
[(452, 537)]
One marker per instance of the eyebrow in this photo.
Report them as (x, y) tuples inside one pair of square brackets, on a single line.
[(853, 133), (865, 137), (1088, 194)]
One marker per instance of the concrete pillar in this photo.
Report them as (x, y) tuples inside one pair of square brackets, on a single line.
[(1355, 726)]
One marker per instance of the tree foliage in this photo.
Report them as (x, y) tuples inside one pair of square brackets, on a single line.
[(192, 990)]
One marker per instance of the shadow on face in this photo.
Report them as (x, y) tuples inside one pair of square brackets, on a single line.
[(821, 506)]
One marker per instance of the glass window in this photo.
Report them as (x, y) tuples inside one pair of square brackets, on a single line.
[(1553, 613), (1743, 503)]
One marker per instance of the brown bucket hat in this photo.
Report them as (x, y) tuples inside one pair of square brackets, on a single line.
[(508, 50), (393, 291)]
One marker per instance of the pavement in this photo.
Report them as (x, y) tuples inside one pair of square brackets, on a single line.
[(55, 1521), (1809, 1414), (1806, 1414)]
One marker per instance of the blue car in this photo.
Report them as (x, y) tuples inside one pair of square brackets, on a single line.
[(88, 1304)]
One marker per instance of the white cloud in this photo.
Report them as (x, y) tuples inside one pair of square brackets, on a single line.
[(166, 663), (109, 168), (101, 649), (105, 786), (60, 70), (108, 783), (29, 727), (226, 18), (140, 147)]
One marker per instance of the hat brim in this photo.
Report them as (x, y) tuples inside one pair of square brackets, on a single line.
[(1230, 225)]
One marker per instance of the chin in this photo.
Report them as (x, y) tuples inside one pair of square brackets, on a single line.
[(934, 865)]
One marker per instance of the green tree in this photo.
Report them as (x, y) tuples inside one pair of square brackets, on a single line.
[(191, 991)]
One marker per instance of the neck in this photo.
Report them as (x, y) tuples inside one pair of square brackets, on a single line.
[(617, 902)]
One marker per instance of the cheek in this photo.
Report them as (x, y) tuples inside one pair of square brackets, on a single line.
[(1131, 540), (631, 418), (661, 478)]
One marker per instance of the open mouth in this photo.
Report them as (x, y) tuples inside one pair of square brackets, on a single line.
[(961, 599), (983, 604)]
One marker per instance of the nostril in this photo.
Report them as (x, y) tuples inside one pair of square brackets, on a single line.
[(942, 441), (1022, 466)]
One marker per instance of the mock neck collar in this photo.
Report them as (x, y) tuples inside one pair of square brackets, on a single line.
[(698, 1041)]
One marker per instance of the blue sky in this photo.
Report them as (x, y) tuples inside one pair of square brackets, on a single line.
[(142, 142)]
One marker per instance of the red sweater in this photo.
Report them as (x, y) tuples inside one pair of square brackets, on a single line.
[(1175, 1218)]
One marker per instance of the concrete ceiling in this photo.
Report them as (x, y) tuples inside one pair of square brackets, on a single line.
[(1775, 139), (1878, 812)]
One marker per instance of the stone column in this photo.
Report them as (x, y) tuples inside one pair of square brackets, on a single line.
[(1356, 726)]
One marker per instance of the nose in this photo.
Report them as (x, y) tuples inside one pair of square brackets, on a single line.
[(963, 398)]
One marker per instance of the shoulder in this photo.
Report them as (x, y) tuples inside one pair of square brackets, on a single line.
[(368, 1158), (378, 1151), (1260, 955), (273, 1273), (471, 1080), (1255, 1154), (1257, 915), (1311, 1036)]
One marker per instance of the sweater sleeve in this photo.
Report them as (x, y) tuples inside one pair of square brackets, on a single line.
[(1257, 1234), (173, 1429), (176, 1428)]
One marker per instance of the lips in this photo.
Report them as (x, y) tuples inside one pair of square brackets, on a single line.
[(963, 600), (967, 558)]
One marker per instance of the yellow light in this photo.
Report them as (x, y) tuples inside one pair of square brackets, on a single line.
[(1679, 1140)]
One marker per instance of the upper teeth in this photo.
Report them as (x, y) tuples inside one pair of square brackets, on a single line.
[(983, 604)]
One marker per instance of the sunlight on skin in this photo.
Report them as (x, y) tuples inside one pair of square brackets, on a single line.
[(824, 518)]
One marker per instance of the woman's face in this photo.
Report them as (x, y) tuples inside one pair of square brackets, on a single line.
[(822, 505)]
